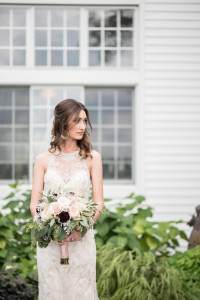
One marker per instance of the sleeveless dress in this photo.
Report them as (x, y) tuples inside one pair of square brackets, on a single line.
[(78, 279)]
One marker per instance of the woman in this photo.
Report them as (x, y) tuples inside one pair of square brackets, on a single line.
[(70, 162)]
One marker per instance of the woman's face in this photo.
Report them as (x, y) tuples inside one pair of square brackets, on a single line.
[(77, 126)]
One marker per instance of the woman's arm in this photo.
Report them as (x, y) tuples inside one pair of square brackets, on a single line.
[(38, 182), (97, 183)]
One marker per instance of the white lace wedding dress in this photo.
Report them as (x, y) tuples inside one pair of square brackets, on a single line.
[(76, 281)]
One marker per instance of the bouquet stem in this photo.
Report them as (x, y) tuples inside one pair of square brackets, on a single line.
[(64, 255)]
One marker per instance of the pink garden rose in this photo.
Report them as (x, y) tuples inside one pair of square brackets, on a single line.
[(54, 208), (74, 211)]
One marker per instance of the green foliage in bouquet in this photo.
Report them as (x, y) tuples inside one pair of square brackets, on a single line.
[(15, 287), (129, 227), (188, 261), (125, 275), (15, 249)]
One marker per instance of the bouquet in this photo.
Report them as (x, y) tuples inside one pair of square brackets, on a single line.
[(57, 215)]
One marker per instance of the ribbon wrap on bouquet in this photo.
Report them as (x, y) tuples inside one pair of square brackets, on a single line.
[(64, 255)]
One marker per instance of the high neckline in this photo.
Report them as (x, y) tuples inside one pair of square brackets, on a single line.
[(71, 153)]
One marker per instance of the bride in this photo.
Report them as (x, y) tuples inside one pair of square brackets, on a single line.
[(70, 162)]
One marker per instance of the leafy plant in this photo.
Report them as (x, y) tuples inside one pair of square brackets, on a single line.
[(15, 287), (15, 250), (188, 261), (129, 227), (125, 275)]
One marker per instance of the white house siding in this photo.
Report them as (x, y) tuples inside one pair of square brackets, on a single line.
[(172, 108)]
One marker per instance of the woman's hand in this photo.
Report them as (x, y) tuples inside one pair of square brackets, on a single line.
[(73, 237)]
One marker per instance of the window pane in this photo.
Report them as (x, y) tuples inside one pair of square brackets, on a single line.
[(110, 58), (57, 18), (56, 95), (21, 153), (22, 116), (6, 171), (126, 17), (107, 117), (4, 17), (4, 37), (125, 117), (124, 171), (107, 97), (94, 58), (108, 153), (124, 153), (40, 57), (5, 96), (40, 96), (21, 171), (126, 58), (110, 38), (94, 38), (125, 97), (126, 38), (40, 17), (38, 134), (56, 57), (19, 57), (40, 116), (124, 135), (19, 17), (5, 134), (6, 153), (40, 38), (72, 38), (94, 135), (108, 135), (73, 58), (73, 93), (56, 38), (93, 116), (110, 18), (108, 171), (94, 19), (91, 97), (21, 135), (5, 116), (19, 37), (4, 57), (73, 18), (21, 97)]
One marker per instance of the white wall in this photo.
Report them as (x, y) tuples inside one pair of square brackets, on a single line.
[(172, 107)]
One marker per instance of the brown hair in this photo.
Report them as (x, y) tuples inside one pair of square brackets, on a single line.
[(63, 113)]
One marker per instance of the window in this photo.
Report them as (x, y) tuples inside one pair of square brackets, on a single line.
[(14, 133), (12, 37), (110, 38), (44, 99), (111, 113), (57, 37)]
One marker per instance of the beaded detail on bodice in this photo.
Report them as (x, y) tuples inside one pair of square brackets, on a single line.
[(67, 172)]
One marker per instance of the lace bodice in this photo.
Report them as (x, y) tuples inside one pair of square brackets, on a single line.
[(68, 172)]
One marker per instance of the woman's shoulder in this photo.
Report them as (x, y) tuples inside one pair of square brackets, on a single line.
[(43, 157), (95, 154)]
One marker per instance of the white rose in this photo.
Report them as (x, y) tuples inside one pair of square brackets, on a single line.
[(74, 211), (46, 214), (64, 202)]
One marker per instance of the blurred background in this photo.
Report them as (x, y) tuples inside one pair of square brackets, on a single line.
[(135, 65)]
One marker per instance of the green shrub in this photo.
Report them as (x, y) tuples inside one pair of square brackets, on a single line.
[(15, 287), (188, 261), (125, 275), (129, 227), (15, 250)]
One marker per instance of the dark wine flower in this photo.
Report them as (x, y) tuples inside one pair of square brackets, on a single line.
[(64, 216), (38, 209)]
